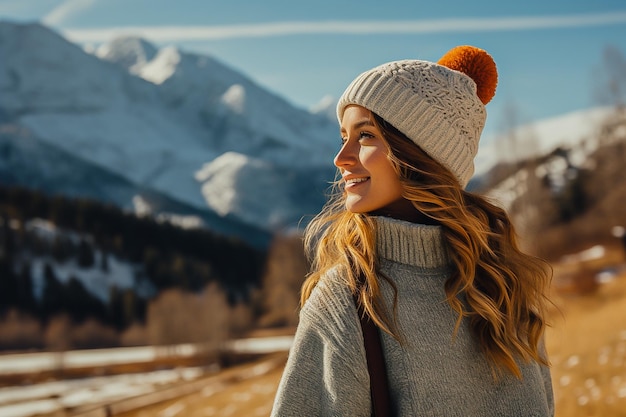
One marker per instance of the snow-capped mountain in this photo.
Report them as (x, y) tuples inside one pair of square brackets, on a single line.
[(542, 137), (237, 114), (182, 125)]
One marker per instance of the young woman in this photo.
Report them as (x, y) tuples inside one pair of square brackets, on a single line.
[(459, 307)]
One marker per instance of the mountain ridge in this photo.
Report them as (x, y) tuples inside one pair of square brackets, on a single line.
[(161, 135)]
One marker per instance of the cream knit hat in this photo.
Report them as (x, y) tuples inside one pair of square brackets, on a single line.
[(439, 106)]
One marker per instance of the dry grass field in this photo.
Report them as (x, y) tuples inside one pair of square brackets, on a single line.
[(586, 341)]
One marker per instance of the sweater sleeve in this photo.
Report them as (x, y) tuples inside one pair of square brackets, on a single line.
[(547, 379), (326, 373), (546, 375)]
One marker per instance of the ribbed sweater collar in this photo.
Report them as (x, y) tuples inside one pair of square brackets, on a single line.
[(412, 244)]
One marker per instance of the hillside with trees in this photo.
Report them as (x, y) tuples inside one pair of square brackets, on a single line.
[(570, 198), (52, 248)]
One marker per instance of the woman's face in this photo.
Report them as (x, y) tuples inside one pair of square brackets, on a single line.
[(371, 183)]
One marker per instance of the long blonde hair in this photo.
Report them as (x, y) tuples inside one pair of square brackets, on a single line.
[(495, 286)]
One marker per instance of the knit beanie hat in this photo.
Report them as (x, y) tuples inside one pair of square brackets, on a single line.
[(439, 106)]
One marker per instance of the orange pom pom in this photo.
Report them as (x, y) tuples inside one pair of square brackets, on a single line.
[(478, 65)]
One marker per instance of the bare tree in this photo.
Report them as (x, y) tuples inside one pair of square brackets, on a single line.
[(182, 317), (610, 79), (284, 275), (93, 334), (19, 331), (134, 335), (610, 89), (241, 319), (58, 334)]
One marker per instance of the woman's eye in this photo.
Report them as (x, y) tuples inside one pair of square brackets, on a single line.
[(362, 136)]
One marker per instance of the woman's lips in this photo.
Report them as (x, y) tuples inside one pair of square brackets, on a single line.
[(355, 182)]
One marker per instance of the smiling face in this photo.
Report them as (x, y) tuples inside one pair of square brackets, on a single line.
[(371, 182)]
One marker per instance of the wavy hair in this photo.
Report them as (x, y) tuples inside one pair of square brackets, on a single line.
[(495, 286)]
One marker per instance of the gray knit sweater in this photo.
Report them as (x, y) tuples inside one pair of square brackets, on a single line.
[(433, 374)]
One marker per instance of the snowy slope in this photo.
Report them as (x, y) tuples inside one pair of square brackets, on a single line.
[(26, 160), (157, 117), (120, 274), (230, 184), (240, 115)]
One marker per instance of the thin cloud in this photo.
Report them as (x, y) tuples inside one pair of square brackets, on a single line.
[(7, 7), (199, 33), (24, 8), (66, 10)]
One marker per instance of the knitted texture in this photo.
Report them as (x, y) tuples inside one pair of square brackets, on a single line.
[(435, 373), (434, 106)]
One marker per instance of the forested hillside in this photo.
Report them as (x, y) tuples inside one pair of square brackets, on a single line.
[(57, 254)]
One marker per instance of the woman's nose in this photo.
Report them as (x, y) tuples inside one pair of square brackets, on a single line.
[(346, 155)]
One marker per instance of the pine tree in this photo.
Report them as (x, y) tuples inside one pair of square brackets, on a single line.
[(86, 257)]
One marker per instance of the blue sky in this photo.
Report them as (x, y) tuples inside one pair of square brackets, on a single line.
[(549, 53)]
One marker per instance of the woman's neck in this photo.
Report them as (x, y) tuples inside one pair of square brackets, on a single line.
[(404, 210)]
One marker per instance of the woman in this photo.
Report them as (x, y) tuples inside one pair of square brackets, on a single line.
[(460, 307)]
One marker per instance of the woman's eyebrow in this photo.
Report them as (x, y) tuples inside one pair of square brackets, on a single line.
[(358, 125), (367, 122)]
